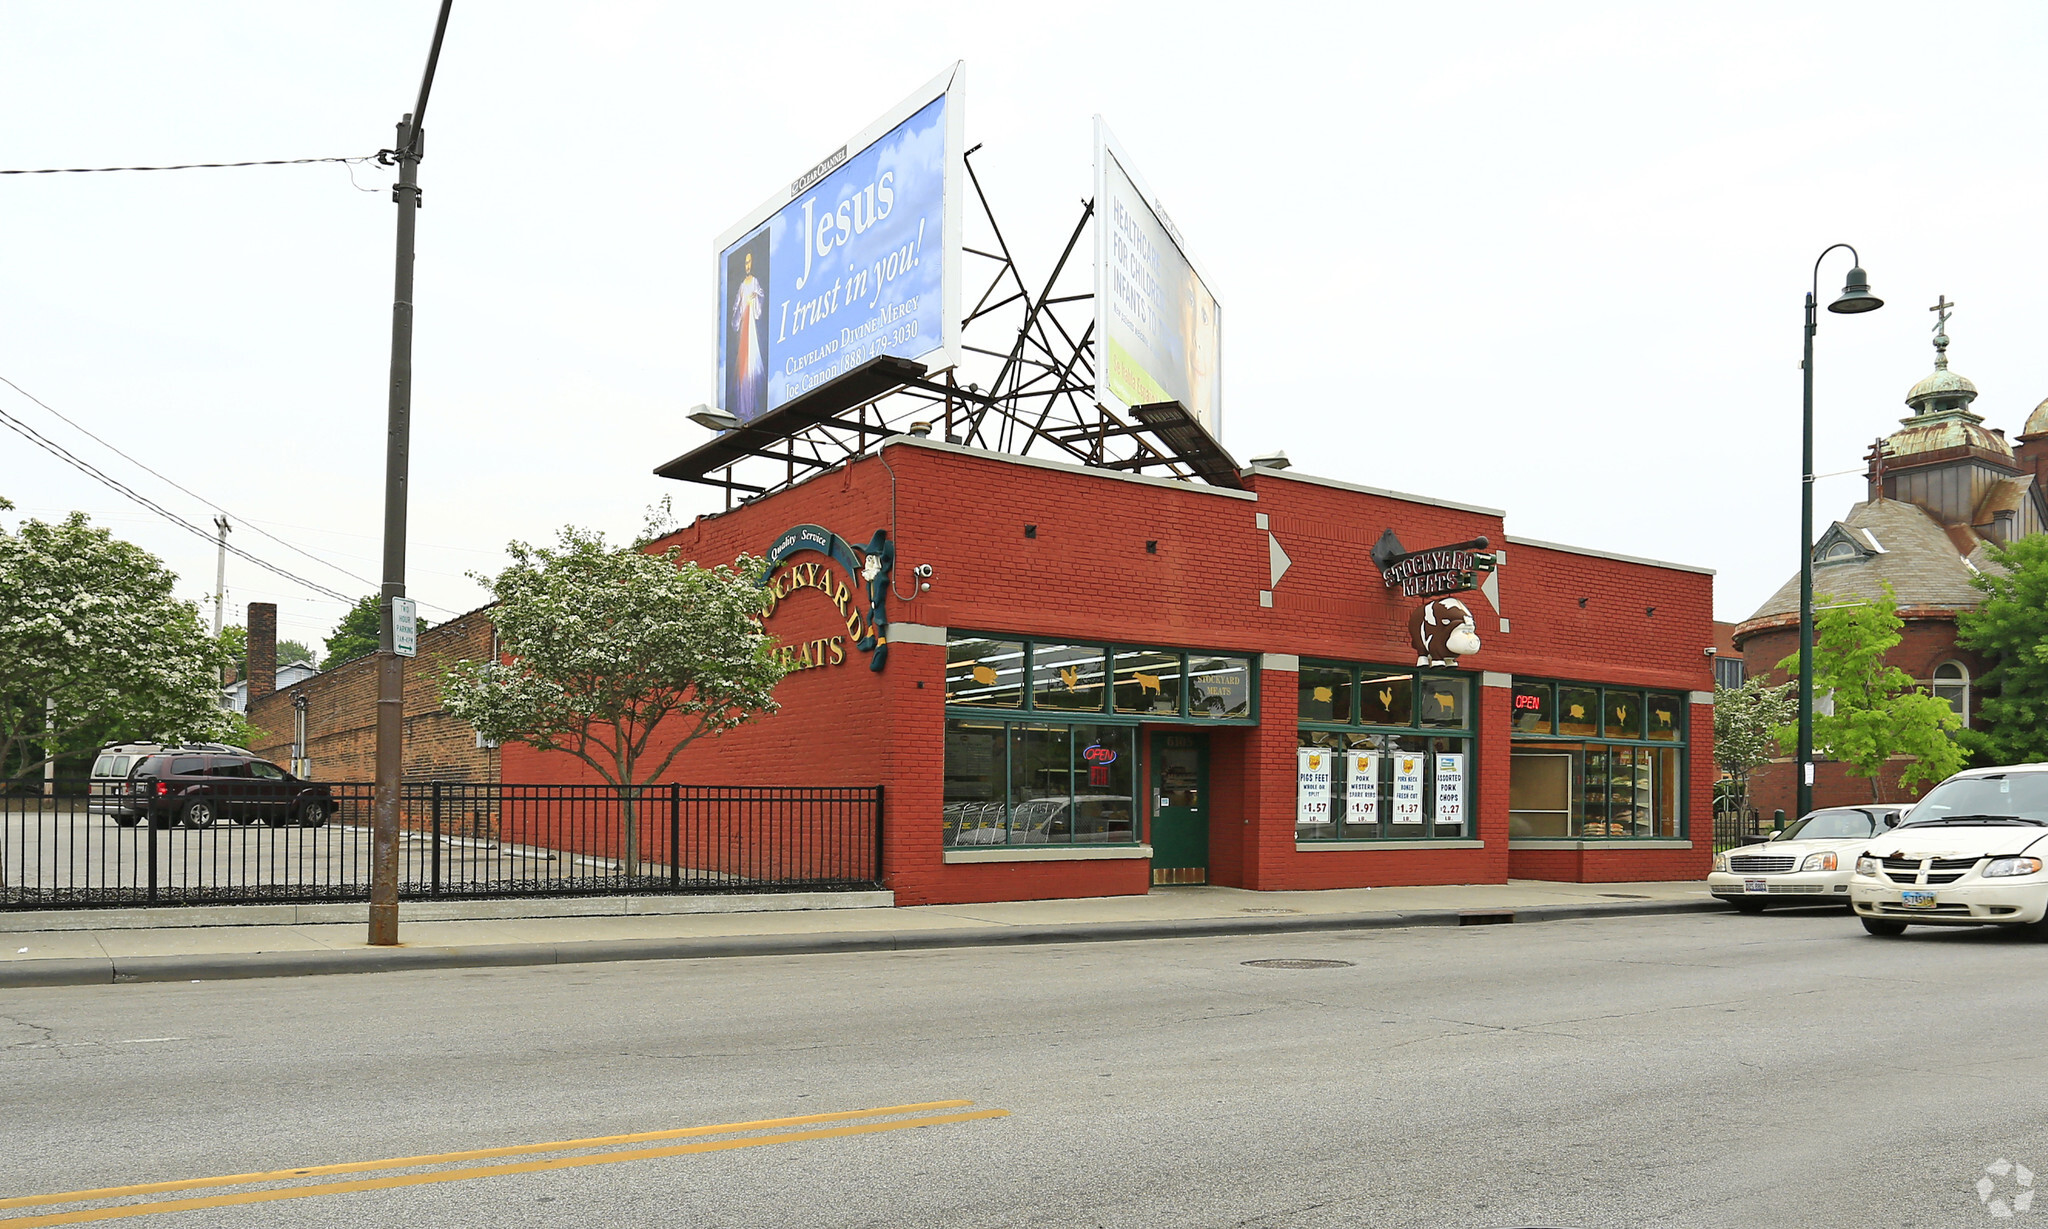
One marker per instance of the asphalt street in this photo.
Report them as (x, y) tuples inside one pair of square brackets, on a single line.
[(1678, 1070)]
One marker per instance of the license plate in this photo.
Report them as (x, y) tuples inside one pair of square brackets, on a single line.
[(1755, 885), (1917, 900)]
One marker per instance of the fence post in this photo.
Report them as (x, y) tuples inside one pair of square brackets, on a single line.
[(436, 889), (150, 820), (879, 799), (675, 834)]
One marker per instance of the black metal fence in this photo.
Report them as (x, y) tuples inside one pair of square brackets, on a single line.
[(69, 849), (1737, 828)]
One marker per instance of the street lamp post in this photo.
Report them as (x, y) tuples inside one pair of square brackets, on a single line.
[(1854, 299)]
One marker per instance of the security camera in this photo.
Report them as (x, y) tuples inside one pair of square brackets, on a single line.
[(1708, 651), (922, 569)]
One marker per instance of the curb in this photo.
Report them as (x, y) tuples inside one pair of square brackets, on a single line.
[(243, 965)]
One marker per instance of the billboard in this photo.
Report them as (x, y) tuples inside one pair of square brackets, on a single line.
[(858, 257), (1160, 327)]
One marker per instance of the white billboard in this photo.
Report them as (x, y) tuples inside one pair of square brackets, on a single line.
[(1159, 329), (859, 256)]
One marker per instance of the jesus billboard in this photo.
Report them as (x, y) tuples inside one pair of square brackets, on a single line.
[(859, 257)]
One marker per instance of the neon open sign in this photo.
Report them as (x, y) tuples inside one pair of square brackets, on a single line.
[(1096, 753), (1529, 703)]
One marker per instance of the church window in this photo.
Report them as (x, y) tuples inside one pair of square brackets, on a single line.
[(1952, 683)]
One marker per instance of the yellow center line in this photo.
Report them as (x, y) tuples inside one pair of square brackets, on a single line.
[(477, 1154), (482, 1171)]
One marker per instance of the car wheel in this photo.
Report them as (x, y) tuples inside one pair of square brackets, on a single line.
[(313, 815), (127, 821), (199, 814), (1744, 904), (1883, 929)]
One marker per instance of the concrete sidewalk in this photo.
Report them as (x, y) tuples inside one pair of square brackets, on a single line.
[(162, 945)]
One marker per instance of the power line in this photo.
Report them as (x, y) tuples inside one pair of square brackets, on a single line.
[(244, 521), (182, 166), (61, 453)]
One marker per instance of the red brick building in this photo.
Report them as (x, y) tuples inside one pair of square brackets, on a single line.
[(1091, 682)]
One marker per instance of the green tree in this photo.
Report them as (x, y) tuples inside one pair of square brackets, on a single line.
[(1879, 711), (1746, 723), (606, 647), (355, 636), (234, 649), (2010, 629), (289, 651), (94, 646)]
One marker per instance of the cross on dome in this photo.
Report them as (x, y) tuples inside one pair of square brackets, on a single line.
[(1942, 306)]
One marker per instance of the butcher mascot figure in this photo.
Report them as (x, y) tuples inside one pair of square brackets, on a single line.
[(1442, 632)]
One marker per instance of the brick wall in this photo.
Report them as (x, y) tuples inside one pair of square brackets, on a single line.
[(1087, 573), (341, 713)]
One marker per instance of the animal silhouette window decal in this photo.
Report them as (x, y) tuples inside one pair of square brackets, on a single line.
[(985, 673), (1067, 677)]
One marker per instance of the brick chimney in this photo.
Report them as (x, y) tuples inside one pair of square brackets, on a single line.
[(262, 649)]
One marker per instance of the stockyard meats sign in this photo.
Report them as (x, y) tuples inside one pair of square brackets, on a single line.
[(1441, 569)]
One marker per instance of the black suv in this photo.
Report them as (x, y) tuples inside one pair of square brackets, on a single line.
[(197, 790)]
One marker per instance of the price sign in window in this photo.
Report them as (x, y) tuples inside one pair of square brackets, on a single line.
[(1312, 785)]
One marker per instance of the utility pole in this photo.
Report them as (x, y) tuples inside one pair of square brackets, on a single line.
[(220, 574), (405, 193)]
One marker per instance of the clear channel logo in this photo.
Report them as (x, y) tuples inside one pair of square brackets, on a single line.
[(2006, 1188)]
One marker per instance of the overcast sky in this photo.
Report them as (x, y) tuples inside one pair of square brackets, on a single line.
[(1548, 258)]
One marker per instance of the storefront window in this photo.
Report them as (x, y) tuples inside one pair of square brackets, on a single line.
[(1534, 708), (1219, 687), (1386, 699), (1443, 701), (985, 673), (1665, 716), (1624, 714), (1402, 770), (1325, 693), (1630, 784), (1147, 682), (1039, 783), (1067, 677), (1578, 711), (976, 782)]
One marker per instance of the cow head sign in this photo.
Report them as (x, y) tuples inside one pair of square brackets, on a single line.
[(1443, 631)]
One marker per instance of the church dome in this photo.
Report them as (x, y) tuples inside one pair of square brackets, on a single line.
[(1941, 417), (2037, 422), (1935, 432), (1943, 385)]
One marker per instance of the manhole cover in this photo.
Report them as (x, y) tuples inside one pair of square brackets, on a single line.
[(1299, 964), (1269, 911)]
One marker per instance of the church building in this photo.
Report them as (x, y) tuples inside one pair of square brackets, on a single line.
[(1940, 490)]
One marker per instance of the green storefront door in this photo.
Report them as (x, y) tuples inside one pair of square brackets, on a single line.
[(1180, 808)]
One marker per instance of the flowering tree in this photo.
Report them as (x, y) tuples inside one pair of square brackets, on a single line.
[(1746, 722), (94, 646), (603, 647)]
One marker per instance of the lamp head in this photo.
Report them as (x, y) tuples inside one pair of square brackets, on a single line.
[(705, 416), (1856, 296)]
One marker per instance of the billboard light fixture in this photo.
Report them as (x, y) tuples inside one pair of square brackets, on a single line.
[(705, 416)]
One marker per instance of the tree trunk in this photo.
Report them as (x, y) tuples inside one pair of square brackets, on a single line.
[(628, 797)]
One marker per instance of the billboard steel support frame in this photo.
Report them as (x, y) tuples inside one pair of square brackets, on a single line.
[(1039, 400)]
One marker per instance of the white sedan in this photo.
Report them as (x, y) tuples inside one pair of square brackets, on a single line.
[(1974, 853), (1808, 863)]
